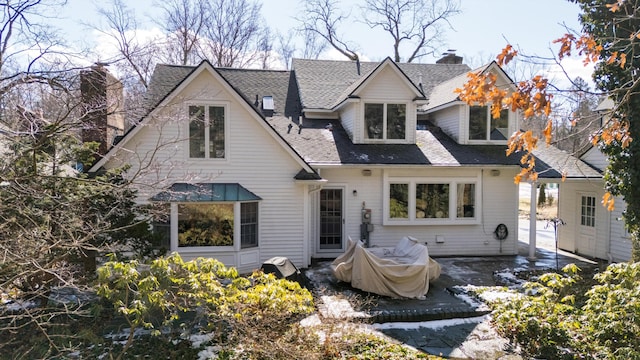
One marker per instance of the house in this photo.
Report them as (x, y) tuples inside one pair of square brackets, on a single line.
[(590, 229), (253, 164)]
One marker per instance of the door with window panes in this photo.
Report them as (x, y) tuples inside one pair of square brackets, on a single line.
[(331, 219), (587, 224)]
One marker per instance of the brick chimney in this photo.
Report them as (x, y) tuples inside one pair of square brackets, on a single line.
[(103, 107), (450, 57)]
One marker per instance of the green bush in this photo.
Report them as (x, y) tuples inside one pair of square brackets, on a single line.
[(556, 319), (611, 315), (200, 294)]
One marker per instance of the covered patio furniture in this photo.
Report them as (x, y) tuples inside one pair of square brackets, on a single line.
[(403, 271)]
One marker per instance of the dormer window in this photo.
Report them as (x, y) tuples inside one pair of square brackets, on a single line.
[(482, 126), (385, 121)]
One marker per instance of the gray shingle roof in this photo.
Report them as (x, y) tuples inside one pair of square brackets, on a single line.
[(552, 162), (318, 145), (323, 82), (248, 82)]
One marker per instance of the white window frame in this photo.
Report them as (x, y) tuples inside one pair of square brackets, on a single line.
[(206, 105), (384, 121), (489, 118), (237, 228), (453, 201)]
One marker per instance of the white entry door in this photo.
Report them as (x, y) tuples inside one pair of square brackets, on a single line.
[(587, 225)]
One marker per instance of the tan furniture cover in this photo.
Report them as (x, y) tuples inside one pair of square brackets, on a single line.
[(402, 271)]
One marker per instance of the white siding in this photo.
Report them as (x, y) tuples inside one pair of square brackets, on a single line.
[(348, 118), (620, 249), (254, 159), (569, 211), (499, 205), (387, 85), (595, 158), (449, 120)]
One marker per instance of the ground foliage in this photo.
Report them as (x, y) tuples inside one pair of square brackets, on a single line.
[(175, 309), (564, 316)]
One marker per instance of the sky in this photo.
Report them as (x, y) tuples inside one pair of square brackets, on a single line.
[(478, 33)]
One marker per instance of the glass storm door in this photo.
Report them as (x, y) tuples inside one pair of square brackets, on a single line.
[(331, 219)]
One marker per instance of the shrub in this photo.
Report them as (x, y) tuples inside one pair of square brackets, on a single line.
[(543, 322), (558, 320), (611, 315), (215, 298)]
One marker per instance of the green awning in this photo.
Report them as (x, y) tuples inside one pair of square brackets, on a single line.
[(184, 192)]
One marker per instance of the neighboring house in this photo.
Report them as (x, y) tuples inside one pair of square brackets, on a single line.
[(253, 164), (590, 229)]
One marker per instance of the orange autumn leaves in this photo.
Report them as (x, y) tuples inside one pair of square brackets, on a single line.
[(532, 98)]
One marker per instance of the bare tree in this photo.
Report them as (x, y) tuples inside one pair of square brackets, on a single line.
[(30, 50), (417, 23), (133, 54), (265, 49), (323, 17), (285, 47), (313, 45), (233, 32), (184, 21)]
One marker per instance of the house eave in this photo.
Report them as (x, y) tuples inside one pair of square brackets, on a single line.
[(443, 106)]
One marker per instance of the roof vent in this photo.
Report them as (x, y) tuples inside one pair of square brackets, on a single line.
[(267, 103)]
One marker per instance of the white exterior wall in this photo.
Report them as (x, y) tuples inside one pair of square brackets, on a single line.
[(595, 158), (620, 243), (254, 159), (348, 118), (620, 249), (449, 120), (569, 210), (499, 198)]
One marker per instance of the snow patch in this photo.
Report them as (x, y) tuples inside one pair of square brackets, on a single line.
[(434, 325), (338, 308)]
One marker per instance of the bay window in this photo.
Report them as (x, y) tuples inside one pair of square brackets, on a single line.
[(482, 125), (435, 201), (385, 121), (214, 224), (222, 215)]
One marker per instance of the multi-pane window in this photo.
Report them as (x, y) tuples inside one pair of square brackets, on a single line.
[(248, 225), (399, 201), (206, 131), (466, 201), (413, 200), (385, 121), (588, 211), (432, 201), (482, 125), (213, 224)]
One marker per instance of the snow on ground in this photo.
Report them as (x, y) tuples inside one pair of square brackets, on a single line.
[(434, 325), (335, 307)]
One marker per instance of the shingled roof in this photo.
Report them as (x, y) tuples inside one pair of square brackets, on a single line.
[(325, 142), (323, 82), (249, 83)]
